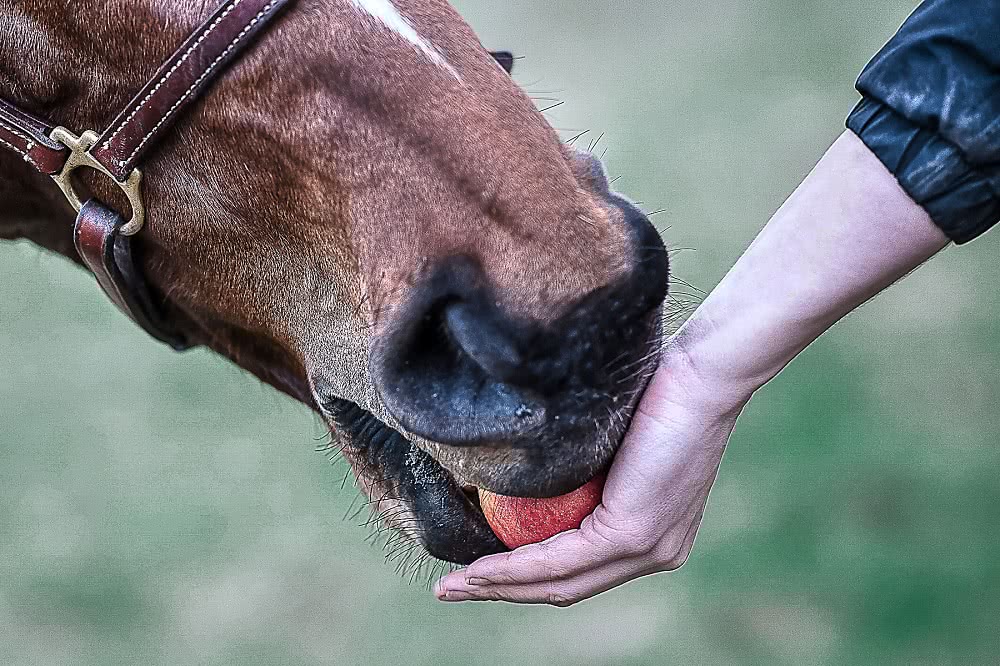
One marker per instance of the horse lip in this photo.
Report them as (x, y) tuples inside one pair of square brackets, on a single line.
[(424, 420), (448, 523)]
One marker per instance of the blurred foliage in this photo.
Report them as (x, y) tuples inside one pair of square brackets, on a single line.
[(161, 508)]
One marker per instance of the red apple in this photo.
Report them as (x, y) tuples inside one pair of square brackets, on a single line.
[(518, 521)]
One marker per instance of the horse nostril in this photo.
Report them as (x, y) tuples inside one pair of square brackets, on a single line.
[(485, 339), (452, 369)]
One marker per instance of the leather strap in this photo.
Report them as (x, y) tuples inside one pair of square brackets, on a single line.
[(25, 134), (180, 81), (109, 255)]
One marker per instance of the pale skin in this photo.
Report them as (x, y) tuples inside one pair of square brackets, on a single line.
[(848, 232)]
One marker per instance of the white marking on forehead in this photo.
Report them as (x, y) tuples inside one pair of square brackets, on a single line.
[(386, 12)]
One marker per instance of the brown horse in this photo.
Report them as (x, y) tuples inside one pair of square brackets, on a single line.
[(368, 214)]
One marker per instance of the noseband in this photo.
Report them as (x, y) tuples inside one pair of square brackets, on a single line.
[(102, 236)]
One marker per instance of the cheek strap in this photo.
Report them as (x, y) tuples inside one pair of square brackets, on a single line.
[(109, 254)]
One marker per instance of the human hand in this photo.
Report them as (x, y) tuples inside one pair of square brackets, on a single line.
[(653, 502), (847, 232)]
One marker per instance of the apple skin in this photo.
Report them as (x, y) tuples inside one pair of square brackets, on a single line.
[(518, 521)]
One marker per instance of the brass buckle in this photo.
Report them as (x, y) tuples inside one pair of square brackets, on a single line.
[(80, 157)]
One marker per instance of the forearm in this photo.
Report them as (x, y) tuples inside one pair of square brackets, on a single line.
[(847, 232)]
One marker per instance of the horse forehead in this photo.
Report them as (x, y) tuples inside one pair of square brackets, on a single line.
[(389, 17)]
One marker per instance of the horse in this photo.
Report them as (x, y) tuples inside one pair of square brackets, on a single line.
[(366, 212)]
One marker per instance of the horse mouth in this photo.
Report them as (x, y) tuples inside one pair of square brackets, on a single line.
[(410, 491), (436, 503)]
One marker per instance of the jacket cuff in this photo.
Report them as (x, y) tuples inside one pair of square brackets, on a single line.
[(958, 197)]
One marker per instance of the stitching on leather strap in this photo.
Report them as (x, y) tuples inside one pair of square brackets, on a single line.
[(12, 146), (24, 153), (20, 135), (222, 56), (167, 76)]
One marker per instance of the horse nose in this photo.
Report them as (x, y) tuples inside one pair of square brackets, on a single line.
[(456, 369)]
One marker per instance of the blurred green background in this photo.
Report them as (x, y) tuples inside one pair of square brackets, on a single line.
[(162, 508)]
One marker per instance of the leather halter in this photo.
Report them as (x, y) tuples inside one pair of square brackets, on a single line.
[(102, 236)]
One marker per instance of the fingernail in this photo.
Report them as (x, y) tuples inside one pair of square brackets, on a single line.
[(476, 581), (456, 595)]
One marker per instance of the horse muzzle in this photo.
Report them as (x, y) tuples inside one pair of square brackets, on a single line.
[(523, 408)]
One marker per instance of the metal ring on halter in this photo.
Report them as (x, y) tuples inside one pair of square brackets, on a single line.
[(80, 157)]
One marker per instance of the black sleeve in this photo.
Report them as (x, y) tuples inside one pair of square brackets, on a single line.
[(931, 112)]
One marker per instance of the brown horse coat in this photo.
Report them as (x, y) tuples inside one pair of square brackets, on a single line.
[(369, 215)]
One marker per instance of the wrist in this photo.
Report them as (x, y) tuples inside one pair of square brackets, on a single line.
[(734, 354), (698, 376)]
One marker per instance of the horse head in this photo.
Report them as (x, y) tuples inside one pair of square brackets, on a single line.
[(368, 214)]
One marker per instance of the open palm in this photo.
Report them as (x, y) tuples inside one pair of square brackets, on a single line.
[(653, 504)]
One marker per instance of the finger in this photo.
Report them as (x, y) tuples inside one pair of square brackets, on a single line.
[(554, 593), (565, 555), (551, 560)]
